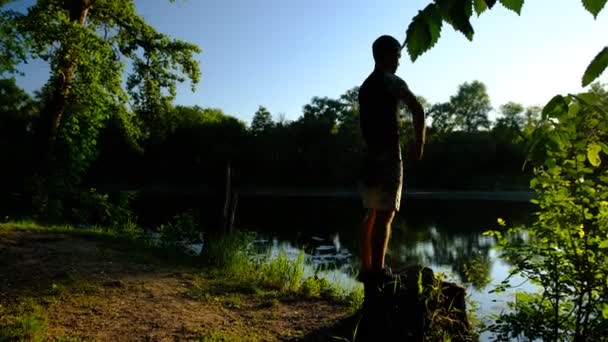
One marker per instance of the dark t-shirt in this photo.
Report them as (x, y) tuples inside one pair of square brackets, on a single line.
[(379, 106)]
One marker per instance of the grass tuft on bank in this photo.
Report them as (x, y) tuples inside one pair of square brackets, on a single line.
[(236, 258)]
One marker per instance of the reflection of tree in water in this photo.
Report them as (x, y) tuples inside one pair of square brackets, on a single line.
[(466, 253)]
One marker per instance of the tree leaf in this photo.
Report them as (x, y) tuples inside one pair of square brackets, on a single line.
[(513, 5), (490, 3), (605, 311), (556, 105), (594, 6), (423, 32), (480, 6), (457, 13), (593, 154), (603, 244), (596, 67)]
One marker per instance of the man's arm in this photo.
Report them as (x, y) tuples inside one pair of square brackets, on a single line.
[(404, 94)]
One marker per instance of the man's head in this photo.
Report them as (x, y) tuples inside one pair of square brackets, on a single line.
[(387, 52)]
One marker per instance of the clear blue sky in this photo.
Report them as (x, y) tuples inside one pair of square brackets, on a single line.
[(281, 53)]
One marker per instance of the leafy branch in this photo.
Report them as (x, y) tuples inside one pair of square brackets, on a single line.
[(425, 29)]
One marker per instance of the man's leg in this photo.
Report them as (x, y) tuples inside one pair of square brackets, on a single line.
[(367, 228), (380, 235)]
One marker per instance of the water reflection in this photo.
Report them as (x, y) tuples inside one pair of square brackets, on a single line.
[(323, 254), (465, 254), (445, 235)]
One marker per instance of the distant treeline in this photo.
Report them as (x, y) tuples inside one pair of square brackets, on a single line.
[(191, 146)]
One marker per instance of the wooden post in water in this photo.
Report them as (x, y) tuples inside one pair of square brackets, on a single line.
[(230, 204), (233, 204)]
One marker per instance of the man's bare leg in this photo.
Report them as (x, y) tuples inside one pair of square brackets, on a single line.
[(367, 228), (380, 236)]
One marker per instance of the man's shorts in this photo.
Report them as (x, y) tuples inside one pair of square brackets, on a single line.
[(382, 180)]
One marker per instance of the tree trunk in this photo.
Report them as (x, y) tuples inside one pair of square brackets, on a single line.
[(227, 202), (53, 114), (231, 199), (414, 306)]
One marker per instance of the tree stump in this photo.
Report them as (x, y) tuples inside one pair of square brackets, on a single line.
[(413, 305)]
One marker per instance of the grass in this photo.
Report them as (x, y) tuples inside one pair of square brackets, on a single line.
[(127, 236), (235, 258), (232, 257), (26, 321), (220, 336), (230, 275)]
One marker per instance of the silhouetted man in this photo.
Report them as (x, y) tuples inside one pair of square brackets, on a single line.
[(379, 98)]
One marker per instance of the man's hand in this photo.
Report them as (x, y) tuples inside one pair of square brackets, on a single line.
[(403, 93)]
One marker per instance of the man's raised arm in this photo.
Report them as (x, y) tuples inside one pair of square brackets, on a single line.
[(404, 94)]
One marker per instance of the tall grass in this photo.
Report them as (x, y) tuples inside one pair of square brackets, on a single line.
[(236, 257)]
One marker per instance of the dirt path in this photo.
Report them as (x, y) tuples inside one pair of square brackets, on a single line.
[(84, 289)]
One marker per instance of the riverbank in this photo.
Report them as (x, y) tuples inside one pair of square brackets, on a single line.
[(71, 285)]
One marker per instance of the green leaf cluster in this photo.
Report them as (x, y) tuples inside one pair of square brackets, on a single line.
[(425, 28)]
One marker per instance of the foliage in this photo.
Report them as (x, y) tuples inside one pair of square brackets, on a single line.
[(425, 28), (471, 106), (182, 230), (18, 110), (12, 46), (565, 251), (230, 253), (87, 45), (235, 256), (476, 272), (282, 272), (262, 120), (94, 208), (467, 110), (443, 315)]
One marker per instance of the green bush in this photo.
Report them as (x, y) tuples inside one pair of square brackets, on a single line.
[(183, 229), (565, 250)]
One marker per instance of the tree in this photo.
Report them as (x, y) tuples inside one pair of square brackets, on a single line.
[(324, 111), (511, 115), (262, 121), (350, 101), (510, 125), (12, 47), (467, 110), (88, 44), (348, 119), (442, 117), (471, 106)]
